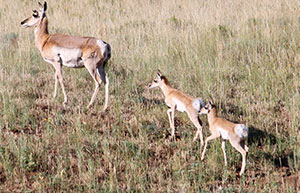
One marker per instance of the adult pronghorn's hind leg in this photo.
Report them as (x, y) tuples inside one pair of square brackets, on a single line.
[(99, 76), (91, 67), (105, 79)]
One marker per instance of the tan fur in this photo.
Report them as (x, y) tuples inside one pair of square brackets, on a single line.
[(176, 99), (72, 51), (226, 130)]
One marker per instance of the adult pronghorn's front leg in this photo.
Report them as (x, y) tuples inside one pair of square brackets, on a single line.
[(59, 77)]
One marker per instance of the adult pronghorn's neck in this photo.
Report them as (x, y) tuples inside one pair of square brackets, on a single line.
[(212, 115), (41, 33)]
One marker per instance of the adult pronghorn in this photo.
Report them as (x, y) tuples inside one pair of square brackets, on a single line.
[(177, 100), (235, 133), (71, 51)]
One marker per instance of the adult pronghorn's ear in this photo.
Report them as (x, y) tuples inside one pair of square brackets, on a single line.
[(45, 6), (35, 13), (40, 6)]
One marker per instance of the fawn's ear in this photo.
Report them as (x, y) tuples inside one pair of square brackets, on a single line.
[(159, 74)]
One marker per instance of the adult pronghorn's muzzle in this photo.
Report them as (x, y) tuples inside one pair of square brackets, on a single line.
[(23, 23)]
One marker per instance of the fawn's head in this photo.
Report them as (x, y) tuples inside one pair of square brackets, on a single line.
[(36, 17), (207, 108), (158, 80)]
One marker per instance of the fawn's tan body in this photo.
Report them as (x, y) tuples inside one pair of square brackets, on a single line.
[(235, 133), (177, 100), (71, 51)]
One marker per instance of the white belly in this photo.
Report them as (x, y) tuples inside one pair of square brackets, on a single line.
[(69, 57), (224, 134), (179, 105)]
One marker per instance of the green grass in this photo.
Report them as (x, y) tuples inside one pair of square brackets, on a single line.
[(244, 55)]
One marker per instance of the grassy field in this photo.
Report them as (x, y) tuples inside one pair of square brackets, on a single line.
[(245, 55)]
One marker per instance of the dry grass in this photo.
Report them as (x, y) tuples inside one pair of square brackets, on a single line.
[(245, 55)]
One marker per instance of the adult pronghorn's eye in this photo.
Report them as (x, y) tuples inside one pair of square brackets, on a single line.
[(35, 13), (155, 81)]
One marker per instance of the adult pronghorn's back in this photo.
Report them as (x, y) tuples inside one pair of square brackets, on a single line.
[(74, 50), (71, 51)]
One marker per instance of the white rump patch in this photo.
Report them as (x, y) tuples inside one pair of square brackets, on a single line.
[(241, 130), (69, 57), (198, 104), (168, 105), (179, 105), (224, 133), (102, 45)]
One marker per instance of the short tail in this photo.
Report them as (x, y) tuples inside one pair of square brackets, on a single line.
[(198, 103), (242, 131)]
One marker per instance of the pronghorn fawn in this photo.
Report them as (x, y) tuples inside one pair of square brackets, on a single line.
[(71, 51), (235, 133), (177, 100)]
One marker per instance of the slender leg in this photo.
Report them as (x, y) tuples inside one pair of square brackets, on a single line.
[(213, 136), (92, 72), (224, 152), (59, 76), (173, 121), (106, 93), (197, 122), (171, 115), (55, 86), (238, 147), (244, 146), (105, 79), (169, 112)]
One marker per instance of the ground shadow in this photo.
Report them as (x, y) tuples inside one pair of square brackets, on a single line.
[(261, 138), (148, 102)]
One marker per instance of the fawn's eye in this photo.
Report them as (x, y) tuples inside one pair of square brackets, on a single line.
[(155, 81)]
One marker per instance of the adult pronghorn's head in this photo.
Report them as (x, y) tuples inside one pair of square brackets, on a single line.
[(36, 17), (207, 108), (158, 80)]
